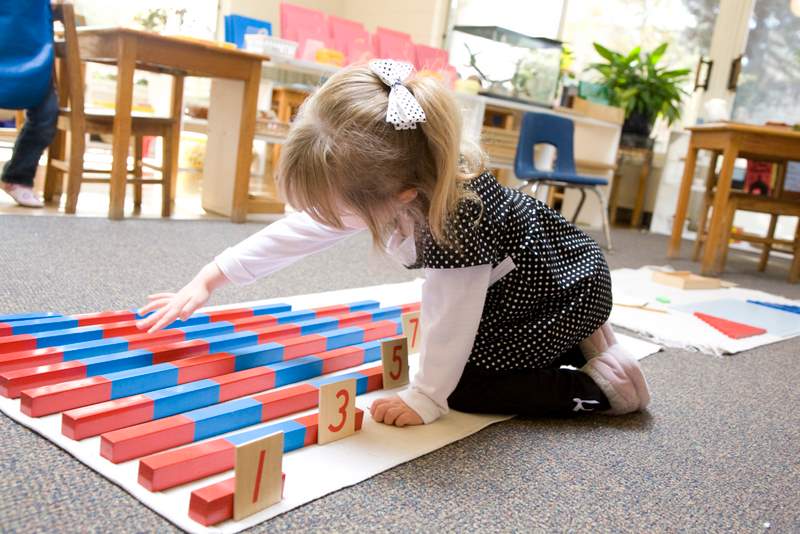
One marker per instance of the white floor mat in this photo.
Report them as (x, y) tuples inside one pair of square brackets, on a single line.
[(311, 472), (678, 327)]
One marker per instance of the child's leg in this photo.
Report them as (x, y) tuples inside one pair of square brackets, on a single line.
[(538, 392), (573, 357), (616, 371)]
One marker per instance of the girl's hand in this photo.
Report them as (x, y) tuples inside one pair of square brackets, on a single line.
[(170, 306), (393, 411)]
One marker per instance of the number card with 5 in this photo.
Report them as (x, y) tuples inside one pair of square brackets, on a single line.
[(394, 356), (337, 411)]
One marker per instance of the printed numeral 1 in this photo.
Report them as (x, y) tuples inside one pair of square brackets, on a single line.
[(259, 481)]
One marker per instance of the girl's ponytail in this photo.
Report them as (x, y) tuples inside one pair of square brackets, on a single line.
[(452, 162)]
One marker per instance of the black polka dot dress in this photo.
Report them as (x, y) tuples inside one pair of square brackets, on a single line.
[(558, 293)]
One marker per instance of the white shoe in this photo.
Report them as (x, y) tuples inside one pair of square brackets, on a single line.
[(22, 195), (615, 371)]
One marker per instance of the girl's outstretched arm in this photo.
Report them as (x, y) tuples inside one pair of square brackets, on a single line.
[(268, 250)]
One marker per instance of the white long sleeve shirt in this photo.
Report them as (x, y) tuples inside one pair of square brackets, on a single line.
[(452, 299)]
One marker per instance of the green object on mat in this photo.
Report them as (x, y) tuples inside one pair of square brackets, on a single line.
[(663, 300)]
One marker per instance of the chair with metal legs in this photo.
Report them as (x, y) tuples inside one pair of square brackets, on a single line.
[(544, 128)]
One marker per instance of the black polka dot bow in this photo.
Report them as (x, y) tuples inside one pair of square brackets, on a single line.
[(404, 111)]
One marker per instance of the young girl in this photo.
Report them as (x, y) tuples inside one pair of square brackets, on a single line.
[(512, 291)]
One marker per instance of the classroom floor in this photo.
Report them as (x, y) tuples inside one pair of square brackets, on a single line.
[(717, 450)]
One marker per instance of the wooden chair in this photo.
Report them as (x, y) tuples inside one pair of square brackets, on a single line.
[(73, 120), (645, 158), (286, 102), (779, 203), (19, 119)]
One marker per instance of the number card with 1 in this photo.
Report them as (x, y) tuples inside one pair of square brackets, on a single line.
[(394, 355), (259, 481), (337, 411), (411, 329)]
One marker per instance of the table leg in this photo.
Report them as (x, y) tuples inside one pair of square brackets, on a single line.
[(138, 172), (244, 154), (714, 241), (285, 115), (176, 112), (126, 59), (773, 219), (711, 177), (683, 202), (794, 270)]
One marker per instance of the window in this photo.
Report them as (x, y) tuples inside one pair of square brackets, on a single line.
[(769, 83), (624, 24)]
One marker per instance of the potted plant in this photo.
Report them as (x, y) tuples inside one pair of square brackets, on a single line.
[(638, 84)]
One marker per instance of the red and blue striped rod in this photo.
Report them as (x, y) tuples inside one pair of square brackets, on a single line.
[(14, 317), (27, 323), (195, 425), (214, 503), (45, 400)]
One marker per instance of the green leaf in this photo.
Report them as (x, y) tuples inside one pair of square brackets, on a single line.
[(605, 52), (675, 73), (655, 55)]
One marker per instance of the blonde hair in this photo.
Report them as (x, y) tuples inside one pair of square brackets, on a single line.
[(342, 156)]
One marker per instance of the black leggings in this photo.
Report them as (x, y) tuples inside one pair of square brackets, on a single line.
[(534, 393)]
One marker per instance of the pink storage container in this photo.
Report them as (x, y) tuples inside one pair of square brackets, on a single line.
[(350, 38), (392, 44), (428, 57), (301, 24)]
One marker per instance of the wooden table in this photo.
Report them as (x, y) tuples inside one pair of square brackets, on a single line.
[(239, 71), (731, 140)]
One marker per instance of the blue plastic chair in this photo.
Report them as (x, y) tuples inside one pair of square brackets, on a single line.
[(544, 128)]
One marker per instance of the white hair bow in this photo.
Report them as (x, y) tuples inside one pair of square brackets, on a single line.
[(404, 111)]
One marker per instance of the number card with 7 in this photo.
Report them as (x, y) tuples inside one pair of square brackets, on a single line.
[(337, 411), (394, 355), (412, 330), (259, 483)]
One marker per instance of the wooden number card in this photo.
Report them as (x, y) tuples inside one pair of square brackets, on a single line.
[(337, 410), (411, 329), (259, 480), (394, 355)]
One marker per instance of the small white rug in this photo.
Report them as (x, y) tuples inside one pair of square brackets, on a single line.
[(311, 472), (678, 327)]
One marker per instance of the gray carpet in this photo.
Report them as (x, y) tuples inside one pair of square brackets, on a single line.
[(717, 450)]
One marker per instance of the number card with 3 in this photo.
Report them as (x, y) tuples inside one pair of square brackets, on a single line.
[(259, 481), (337, 410), (412, 330), (394, 356)]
